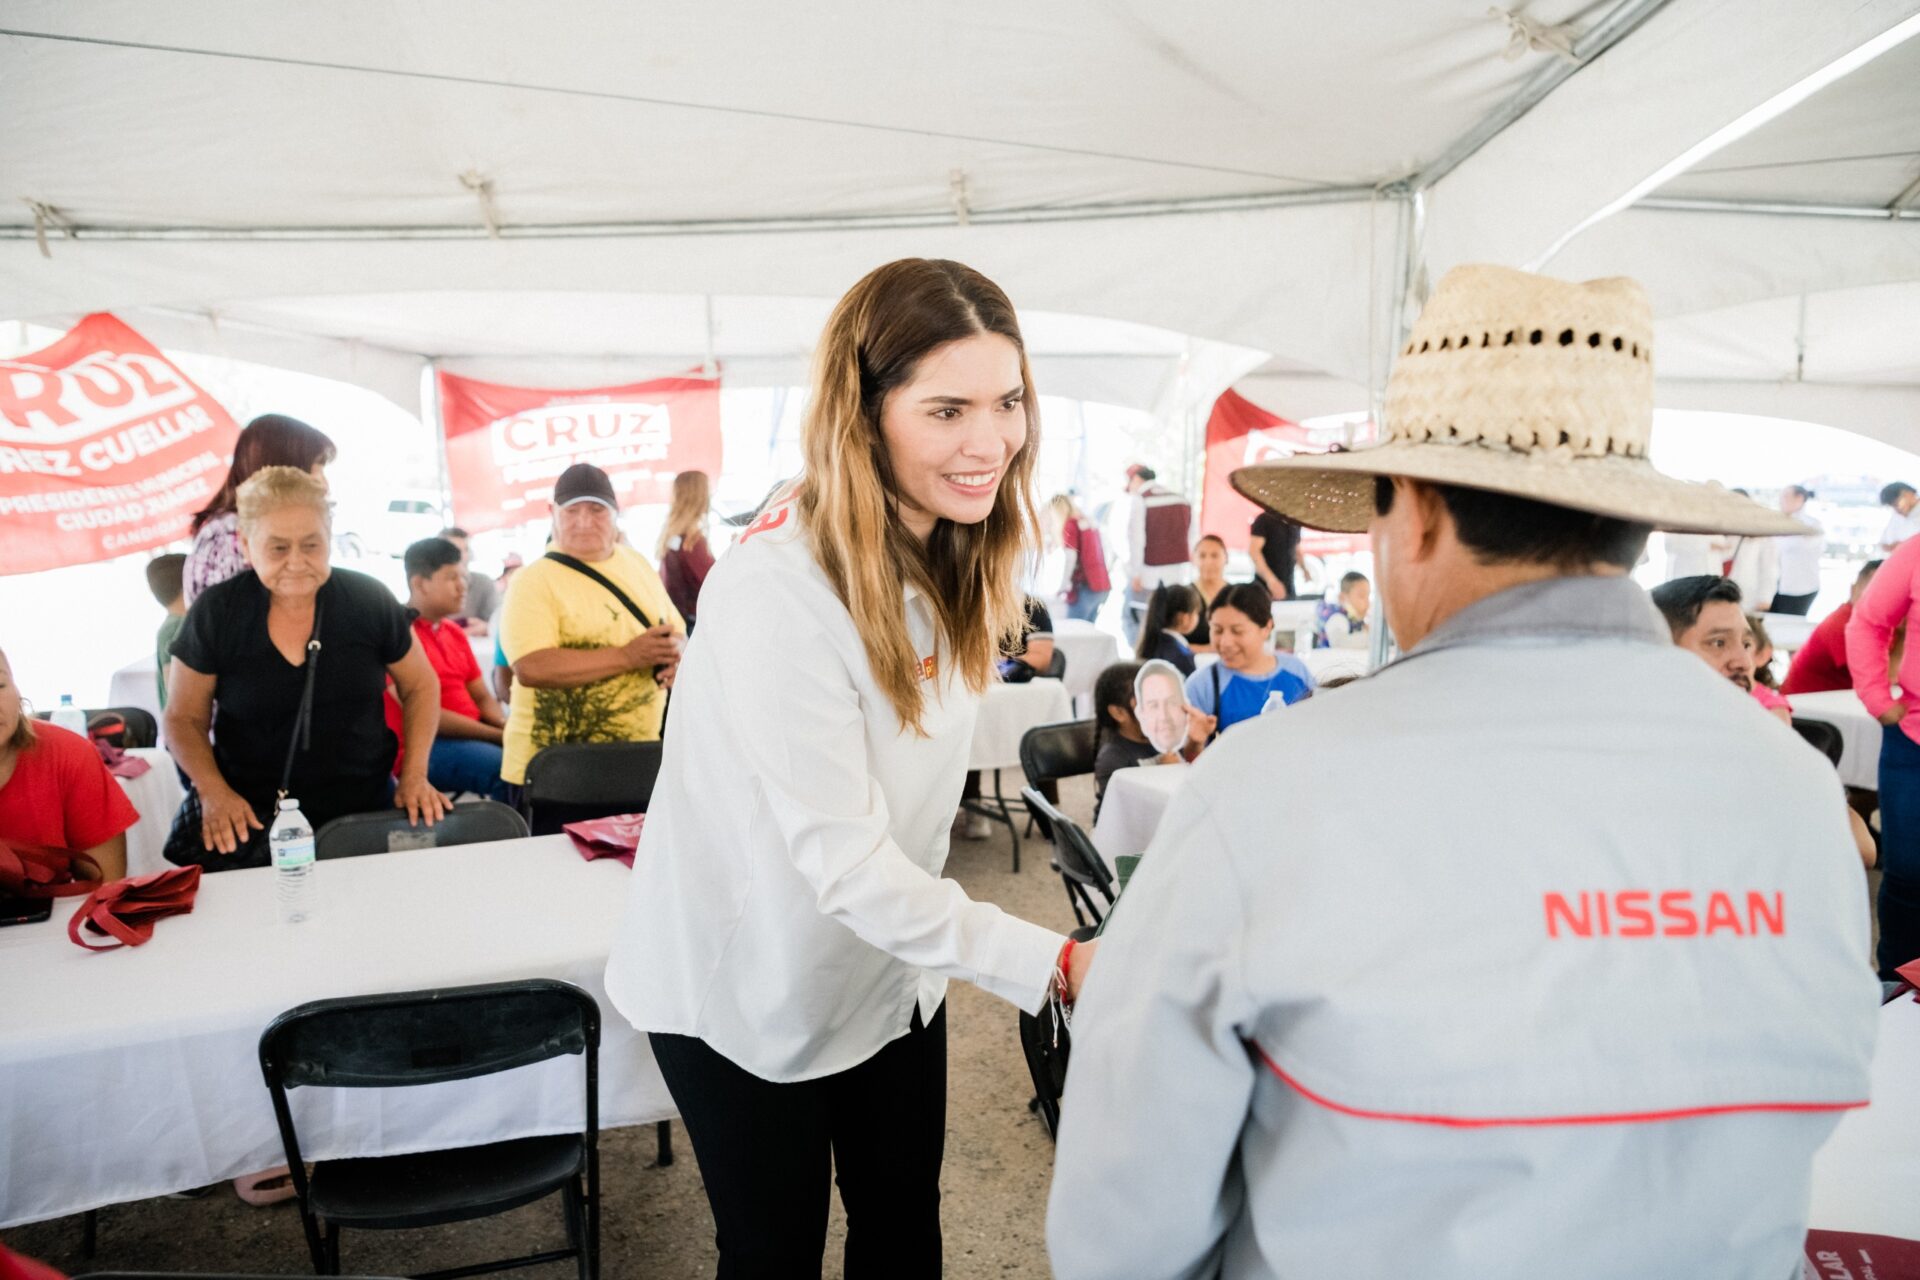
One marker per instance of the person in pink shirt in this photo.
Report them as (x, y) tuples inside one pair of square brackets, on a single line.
[(1893, 597)]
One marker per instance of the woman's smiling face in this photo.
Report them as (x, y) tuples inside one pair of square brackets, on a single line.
[(951, 430)]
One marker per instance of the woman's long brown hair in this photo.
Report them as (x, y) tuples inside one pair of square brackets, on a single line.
[(687, 515), (969, 574), (270, 440)]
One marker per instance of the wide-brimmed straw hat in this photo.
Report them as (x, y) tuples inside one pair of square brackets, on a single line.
[(1523, 385)]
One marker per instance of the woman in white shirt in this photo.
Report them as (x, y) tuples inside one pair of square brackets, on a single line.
[(1799, 557), (788, 936)]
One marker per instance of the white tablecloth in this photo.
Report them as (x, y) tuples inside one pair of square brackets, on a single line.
[(1788, 631), (156, 794), (132, 1073), (1859, 733), (136, 685), (1007, 712), (1295, 618), (1136, 798), (1088, 650), (1867, 1177)]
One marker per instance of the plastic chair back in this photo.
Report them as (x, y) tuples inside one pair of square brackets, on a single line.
[(470, 822), (1822, 736), (574, 781), (427, 1037), (1050, 752)]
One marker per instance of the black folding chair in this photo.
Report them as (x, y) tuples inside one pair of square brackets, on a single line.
[(431, 1037), (574, 781), (1822, 736), (1080, 866), (469, 822), (138, 727), (1050, 752)]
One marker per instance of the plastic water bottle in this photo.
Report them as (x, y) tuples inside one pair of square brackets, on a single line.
[(1276, 701), (291, 839), (70, 717)]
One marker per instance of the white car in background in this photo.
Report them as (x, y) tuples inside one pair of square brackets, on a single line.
[(390, 527)]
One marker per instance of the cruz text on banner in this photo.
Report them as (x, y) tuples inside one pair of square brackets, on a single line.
[(507, 445)]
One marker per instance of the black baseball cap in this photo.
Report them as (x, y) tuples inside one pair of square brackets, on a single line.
[(584, 482)]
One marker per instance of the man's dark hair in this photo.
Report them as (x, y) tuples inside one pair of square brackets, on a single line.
[(1681, 600), (1348, 580), (165, 577), (454, 531), (1144, 473), (1804, 492), (1500, 528), (1890, 494), (428, 556), (1868, 569)]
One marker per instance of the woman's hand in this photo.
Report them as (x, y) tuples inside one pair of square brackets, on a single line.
[(1077, 965), (420, 799), (1893, 714), (226, 819), (1200, 726)]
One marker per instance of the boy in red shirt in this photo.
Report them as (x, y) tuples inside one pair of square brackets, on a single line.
[(466, 751)]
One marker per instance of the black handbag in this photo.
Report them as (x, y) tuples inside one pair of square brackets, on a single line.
[(185, 846)]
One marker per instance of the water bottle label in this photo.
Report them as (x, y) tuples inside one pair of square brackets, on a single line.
[(293, 853)]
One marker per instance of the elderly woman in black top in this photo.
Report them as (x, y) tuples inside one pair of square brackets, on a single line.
[(239, 669)]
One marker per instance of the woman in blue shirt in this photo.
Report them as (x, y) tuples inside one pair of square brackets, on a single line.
[(1236, 687)]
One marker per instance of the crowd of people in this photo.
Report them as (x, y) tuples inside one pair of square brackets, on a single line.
[(1272, 1029)]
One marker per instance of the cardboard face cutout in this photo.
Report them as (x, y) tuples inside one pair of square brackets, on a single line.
[(1160, 705)]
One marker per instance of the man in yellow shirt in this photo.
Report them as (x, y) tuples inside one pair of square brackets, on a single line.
[(585, 667)]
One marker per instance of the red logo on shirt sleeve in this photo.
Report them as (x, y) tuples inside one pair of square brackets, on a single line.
[(770, 519)]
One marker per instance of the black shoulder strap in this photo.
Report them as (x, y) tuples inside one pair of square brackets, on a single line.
[(303, 721), (582, 567)]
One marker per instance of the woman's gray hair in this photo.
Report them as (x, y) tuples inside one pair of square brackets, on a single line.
[(271, 488)]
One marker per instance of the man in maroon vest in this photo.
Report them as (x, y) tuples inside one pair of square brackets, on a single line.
[(1159, 532)]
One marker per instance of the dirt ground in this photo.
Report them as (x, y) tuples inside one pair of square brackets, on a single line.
[(655, 1222)]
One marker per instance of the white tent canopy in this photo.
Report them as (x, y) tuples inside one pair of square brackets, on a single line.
[(565, 193)]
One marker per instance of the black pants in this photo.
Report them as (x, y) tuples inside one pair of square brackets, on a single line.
[(765, 1150), (1796, 605)]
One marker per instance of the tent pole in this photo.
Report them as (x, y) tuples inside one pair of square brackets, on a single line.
[(1409, 279), (430, 415)]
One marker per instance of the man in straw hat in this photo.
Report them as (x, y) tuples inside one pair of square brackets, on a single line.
[(1518, 988)]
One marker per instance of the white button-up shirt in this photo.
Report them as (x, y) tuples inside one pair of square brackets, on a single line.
[(786, 904), (1800, 559), (1542, 951)]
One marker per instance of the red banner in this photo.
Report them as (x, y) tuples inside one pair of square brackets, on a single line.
[(106, 448), (1241, 433), (507, 445)]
